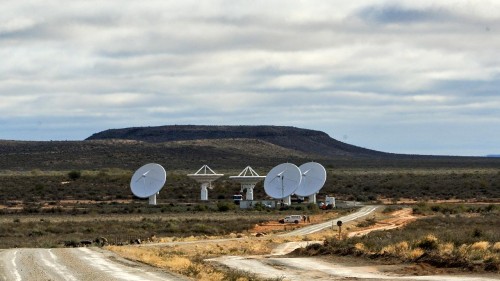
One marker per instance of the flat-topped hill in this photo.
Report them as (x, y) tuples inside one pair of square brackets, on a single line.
[(303, 140)]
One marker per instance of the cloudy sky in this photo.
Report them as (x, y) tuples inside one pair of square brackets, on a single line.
[(419, 77)]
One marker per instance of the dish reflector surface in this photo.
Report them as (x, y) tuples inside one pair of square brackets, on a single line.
[(313, 179), (148, 180), (282, 180)]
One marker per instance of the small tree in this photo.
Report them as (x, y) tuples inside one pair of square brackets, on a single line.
[(74, 175)]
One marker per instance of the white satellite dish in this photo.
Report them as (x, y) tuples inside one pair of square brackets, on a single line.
[(147, 181), (313, 179), (205, 176), (282, 181), (248, 178)]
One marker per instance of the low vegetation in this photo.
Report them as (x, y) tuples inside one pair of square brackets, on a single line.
[(53, 231), (190, 259), (48, 189), (454, 236)]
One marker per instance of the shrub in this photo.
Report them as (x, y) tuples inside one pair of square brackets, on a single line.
[(429, 242), (225, 206), (367, 222), (74, 175)]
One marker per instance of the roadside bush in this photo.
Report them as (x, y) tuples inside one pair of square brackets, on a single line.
[(313, 208), (225, 206)]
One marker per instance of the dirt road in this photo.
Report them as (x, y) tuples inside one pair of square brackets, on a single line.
[(320, 226), (74, 264), (295, 269)]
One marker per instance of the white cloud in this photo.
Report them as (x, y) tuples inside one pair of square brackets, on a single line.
[(346, 66)]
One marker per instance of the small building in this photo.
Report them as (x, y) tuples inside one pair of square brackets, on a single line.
[(250, 204)]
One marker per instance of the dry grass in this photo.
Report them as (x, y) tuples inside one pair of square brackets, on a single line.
[(188, 258), (480, 246), (496, 247)]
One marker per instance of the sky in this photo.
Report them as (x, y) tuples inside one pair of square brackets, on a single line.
[(413, 77)]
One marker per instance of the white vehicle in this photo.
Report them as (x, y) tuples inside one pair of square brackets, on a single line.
[(291, 219)]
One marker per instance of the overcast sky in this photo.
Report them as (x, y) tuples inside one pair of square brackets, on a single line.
[(417, 77)]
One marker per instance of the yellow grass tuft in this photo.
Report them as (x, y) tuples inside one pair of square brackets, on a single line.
[(360, 247), (389, 249), (430, 238), (416, 253), (399, 249), (402, 246), (210, 276), (463, 250), (177, 263), (446, 248), (496, 247), (480, 246)]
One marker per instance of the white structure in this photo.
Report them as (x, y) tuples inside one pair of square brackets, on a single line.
[(245, 204), (205, 176), (248, 178), (282, 181), (147, 181), (313, 179)]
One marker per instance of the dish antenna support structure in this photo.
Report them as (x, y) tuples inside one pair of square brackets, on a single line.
[(313, 179), (205, 176), (282, 181), (147, 181), (248, 178)]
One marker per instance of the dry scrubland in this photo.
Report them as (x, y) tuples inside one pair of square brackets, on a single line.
[(457, 236), (438, 238), (29, 191), (51, 192)]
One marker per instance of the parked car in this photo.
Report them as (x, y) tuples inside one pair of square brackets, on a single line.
[(291, 219)]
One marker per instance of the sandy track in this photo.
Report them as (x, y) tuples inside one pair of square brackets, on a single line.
[(74, 264), (400, 219)]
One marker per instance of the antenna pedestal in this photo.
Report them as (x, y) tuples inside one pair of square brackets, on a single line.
[(312, 198), (249, 188), (204, 191), (205, 176), (152, 199), (288, 200)]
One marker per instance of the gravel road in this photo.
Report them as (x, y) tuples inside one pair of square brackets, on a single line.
[(74, 264), (320, 226)]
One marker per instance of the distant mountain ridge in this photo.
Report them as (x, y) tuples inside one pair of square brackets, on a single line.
[(305, 140)]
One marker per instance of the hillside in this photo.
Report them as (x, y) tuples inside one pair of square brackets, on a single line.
[(222, 147), (303, 140)]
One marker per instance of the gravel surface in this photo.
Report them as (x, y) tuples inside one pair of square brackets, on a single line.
[(74, 264)]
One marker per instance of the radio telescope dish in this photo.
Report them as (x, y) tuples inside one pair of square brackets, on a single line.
[(282, 180), (148, 180), (205, 176), (313, 179), (248, 178)]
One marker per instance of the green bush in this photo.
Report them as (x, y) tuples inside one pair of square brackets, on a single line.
[(225, 206)]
